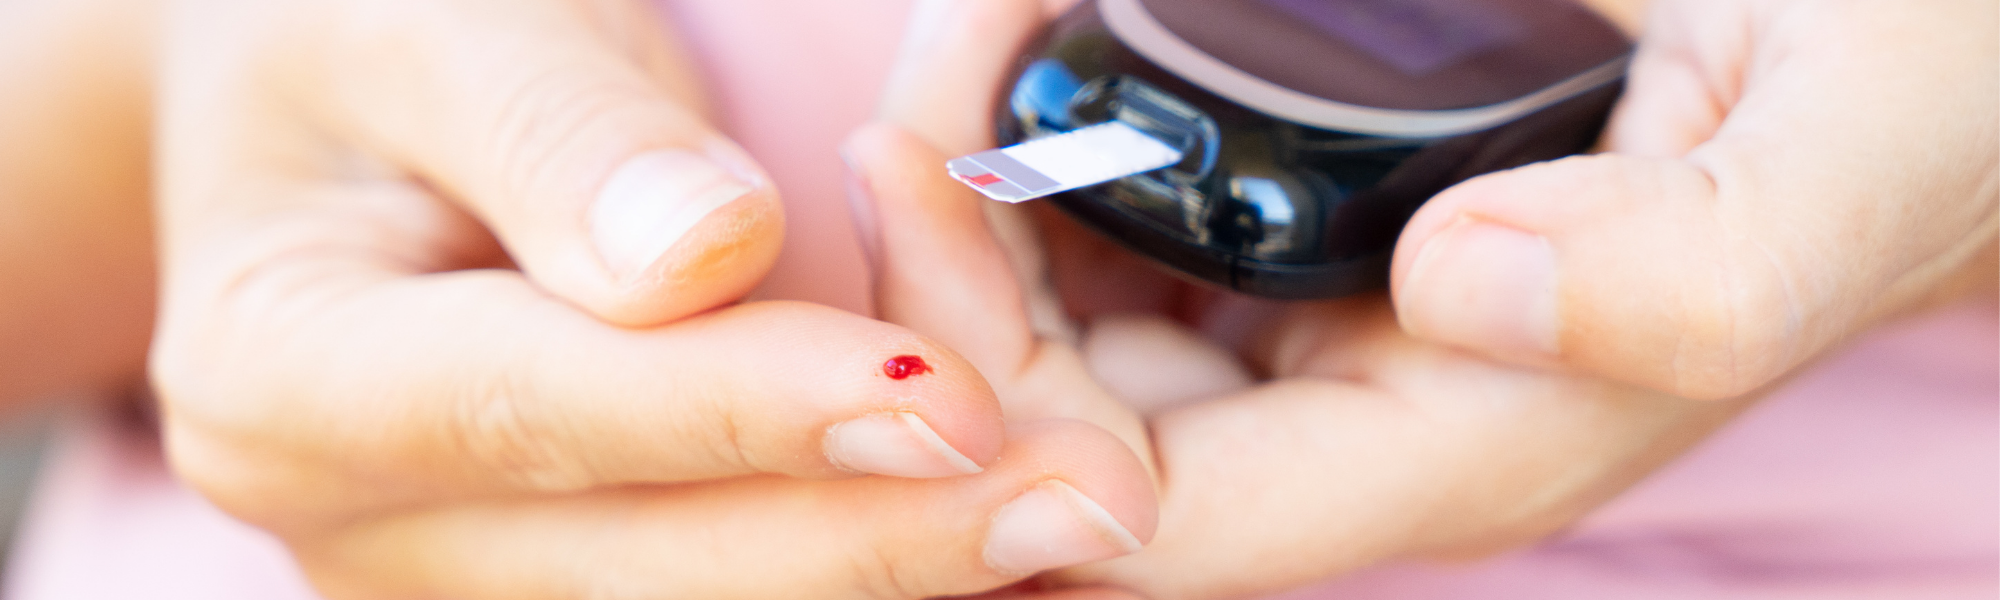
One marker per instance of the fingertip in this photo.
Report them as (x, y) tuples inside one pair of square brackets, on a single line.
[(906, 184), (1513, 197), (888, 152), (721, 260), (1485, 286), (679, 231), (1478, 265), (1645, 270), (950, 63), (1098, 464), (951, 397), (1430, 218), (896, 444), (1062, 493), (908, 407), (1083, 498)]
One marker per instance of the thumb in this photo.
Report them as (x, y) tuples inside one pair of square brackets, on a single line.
[(571, 131), (1661, 273), (1845, 176), (1608, 261)]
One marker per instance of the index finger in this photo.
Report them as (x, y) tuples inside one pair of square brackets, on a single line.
[(948, 73), (319, 360)]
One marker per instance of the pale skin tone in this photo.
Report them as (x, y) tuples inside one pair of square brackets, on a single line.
[(1781, 174), (346, 360), (1351, 433), (306, 275), (1360, 444), (76, 238), (295, 236)]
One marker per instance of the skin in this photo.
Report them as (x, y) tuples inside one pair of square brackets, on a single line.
[(348, 359), (1788, 172), (1354, 412), (1325, 436), (76, 239), (344, 288)]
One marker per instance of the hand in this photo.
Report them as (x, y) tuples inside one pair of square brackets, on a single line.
[(76, 243), (346, 359), (1782, 175), (1342, 442)]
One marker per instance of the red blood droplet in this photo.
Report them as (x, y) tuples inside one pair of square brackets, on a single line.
[(902, 367)]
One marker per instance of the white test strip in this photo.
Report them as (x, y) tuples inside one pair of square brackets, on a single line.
[(1059, 163)]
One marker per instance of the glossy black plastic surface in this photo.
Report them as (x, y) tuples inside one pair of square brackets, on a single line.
[(1261, 204)]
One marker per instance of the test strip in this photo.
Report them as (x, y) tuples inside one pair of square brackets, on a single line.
[(1059, 163)]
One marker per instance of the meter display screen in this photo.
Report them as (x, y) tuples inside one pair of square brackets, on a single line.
[(1399, 54)]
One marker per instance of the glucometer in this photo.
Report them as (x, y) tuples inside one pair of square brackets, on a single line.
[(1277, 147)]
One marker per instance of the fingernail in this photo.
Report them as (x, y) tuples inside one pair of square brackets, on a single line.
[(653, 200), (861, 205), (1485, 286), (1051, 526), (896, 444)]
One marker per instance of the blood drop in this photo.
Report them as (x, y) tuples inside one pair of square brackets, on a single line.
[(902, 367)]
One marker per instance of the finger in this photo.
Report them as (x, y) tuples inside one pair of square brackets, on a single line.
[(76, 233), (945, 265), (1385, 449), (1066, 494), (570, 129), (1709, 269), (943, 274), (1097, 276), (941, 270), (948, 71), (1154, 364), (310, 358), (942, 90)]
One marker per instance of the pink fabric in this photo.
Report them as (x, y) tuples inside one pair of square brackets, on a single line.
[(1872, 476)]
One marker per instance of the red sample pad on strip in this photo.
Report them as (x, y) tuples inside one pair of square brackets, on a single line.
[(1059, 163)]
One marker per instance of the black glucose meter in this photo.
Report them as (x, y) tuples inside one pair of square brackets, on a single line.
[(1278, 147)]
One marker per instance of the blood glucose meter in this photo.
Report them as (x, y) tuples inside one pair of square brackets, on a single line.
[(1278, 147)]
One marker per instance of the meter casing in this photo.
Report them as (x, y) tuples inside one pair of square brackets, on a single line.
[(1312, 129)]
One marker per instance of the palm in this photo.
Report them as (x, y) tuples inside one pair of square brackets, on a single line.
[(1352, 442), (1360, 443)]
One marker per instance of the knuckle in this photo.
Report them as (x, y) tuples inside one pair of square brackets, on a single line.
[(733, 449), (497, 429), (214, 402), (1739, 336), (876, 575), (547, 117), (249, 483)]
